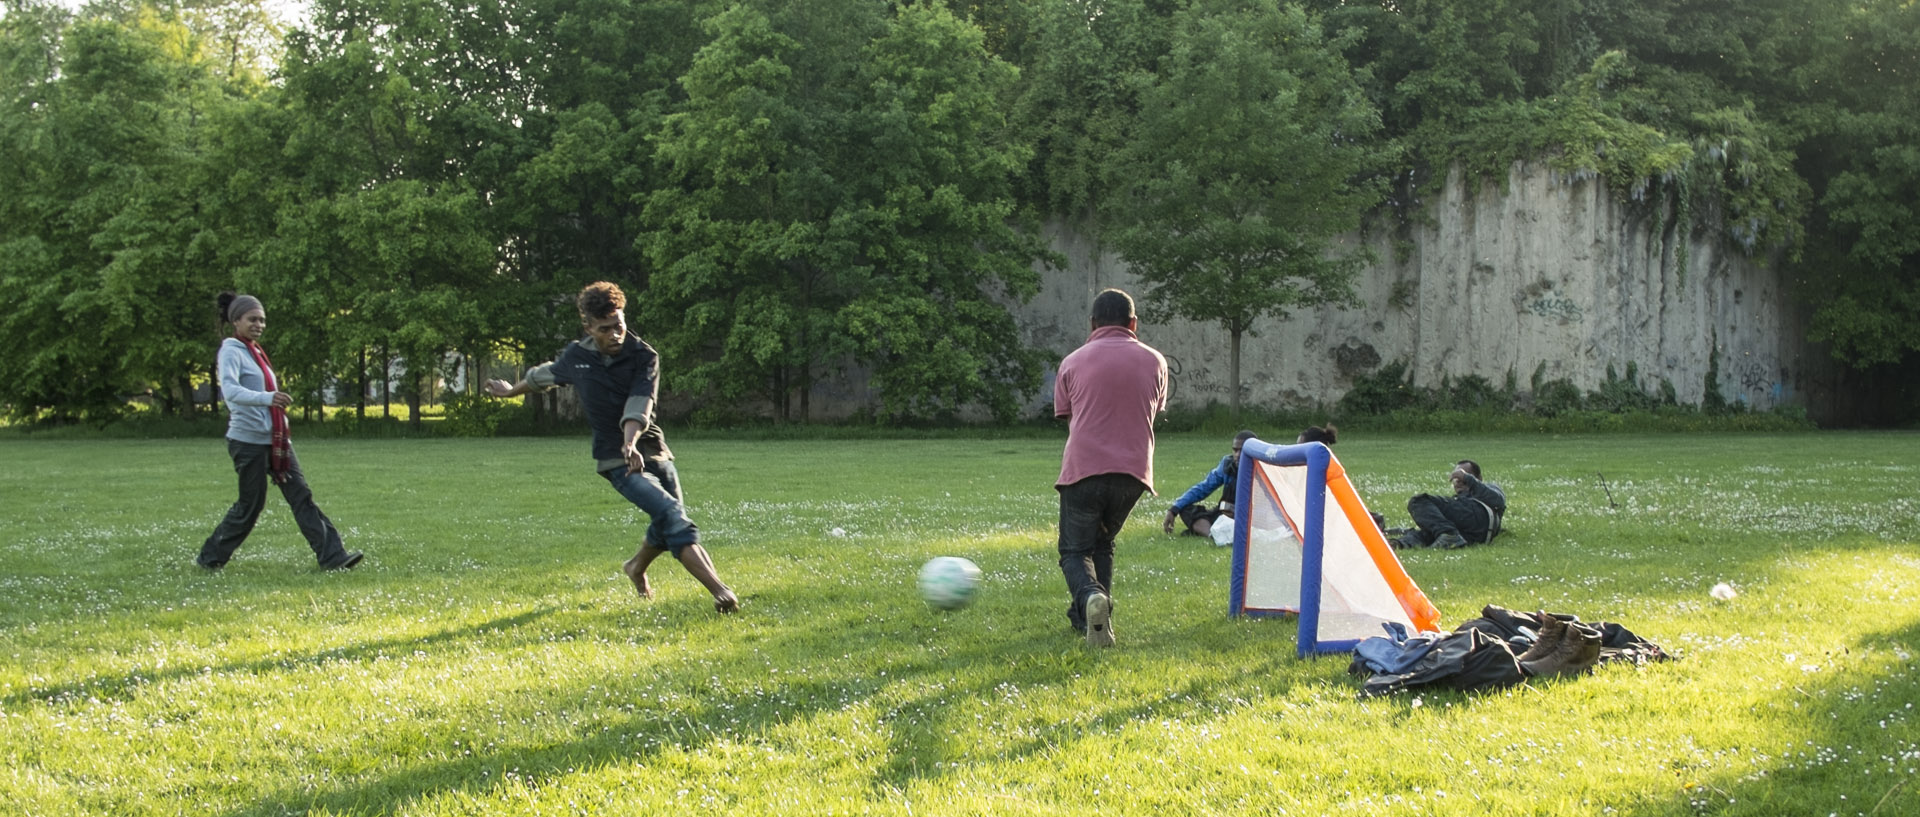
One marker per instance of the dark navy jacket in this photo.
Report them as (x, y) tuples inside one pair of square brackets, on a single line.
[(604, 384)]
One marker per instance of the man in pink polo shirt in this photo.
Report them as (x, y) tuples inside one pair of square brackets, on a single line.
[(1110, 390)]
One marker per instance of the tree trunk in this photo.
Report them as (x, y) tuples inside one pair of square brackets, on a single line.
[(782, 386), (360, 399), (386, 384), (806, 393), (182, 393), (420, 384), (1233, 372)]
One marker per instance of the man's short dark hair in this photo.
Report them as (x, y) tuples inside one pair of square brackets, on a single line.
[(1112, 307), (1470, 467), (600, 299)]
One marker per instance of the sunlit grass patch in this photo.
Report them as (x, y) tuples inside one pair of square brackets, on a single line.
[(489, 658)]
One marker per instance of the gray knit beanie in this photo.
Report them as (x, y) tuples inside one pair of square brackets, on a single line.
[(242, 304)]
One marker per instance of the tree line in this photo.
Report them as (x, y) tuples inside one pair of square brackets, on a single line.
[(792, 187)]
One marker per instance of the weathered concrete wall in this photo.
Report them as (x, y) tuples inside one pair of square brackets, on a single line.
[(1548, 272)]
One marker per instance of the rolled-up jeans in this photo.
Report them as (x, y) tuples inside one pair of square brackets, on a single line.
[(656, 490), (1091, 513), (250, 463)]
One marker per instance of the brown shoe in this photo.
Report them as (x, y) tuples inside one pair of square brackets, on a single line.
[(1552, 630), (1577, 652)]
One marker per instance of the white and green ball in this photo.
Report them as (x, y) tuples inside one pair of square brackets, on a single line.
[(949, 582)]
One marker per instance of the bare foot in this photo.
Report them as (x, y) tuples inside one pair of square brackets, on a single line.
[(639, 576), (725, 602)]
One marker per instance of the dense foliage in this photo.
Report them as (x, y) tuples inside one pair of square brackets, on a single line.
[(793, 191)]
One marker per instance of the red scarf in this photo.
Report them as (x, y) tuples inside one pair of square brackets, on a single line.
[(280, 455)]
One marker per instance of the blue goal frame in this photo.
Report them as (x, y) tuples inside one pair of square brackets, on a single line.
[(1315, 457)]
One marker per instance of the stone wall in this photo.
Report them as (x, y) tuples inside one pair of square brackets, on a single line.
[(1559, 275)]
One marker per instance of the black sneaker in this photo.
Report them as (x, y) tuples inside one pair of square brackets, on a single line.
[(1451, 541), (353, 558)]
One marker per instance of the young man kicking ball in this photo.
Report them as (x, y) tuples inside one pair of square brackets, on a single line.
[(618, 379)]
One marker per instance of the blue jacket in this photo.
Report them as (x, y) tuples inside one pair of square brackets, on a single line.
[(1223, 475)]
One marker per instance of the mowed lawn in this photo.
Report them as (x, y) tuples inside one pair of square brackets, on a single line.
[(490, 659)]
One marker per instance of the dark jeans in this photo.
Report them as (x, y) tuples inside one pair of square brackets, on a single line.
[(1091, 513), (1437, 515), (656, 490), (250, 463)]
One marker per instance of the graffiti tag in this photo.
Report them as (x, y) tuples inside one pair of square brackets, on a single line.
[(1555, 307)]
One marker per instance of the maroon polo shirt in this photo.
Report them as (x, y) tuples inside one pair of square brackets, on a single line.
[(1110, 389)]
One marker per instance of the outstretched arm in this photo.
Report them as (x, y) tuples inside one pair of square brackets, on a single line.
[(501, 388), (538, 378)]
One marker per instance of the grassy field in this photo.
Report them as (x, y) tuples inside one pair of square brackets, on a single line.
[(490, 659)]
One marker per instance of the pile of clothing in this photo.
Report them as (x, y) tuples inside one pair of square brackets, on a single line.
[(1500, 648)]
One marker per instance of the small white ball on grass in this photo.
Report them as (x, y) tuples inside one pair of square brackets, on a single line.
[(1722, 591)]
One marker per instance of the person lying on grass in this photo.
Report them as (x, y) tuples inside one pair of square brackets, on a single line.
[(1471, 516)]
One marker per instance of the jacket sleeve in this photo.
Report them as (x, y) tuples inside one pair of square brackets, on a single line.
[(234, 360), (1486, 493), (541, 377), (641, 393), (1202, 489)]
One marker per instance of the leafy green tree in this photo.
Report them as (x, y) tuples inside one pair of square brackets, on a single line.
[(402, 125), (1075, 99), (569, 201), (1861, 270), (839, 190), (1249, 158), (112, 255)]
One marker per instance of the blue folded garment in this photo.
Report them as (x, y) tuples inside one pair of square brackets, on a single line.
[(1395, 652)]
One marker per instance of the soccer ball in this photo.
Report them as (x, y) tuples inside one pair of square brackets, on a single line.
[(949, 582)]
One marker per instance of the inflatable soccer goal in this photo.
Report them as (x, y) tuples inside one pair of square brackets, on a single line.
[(1303, 543)]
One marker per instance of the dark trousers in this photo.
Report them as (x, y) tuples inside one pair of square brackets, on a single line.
[(1091, 513), (1437, 515), (250, 463)]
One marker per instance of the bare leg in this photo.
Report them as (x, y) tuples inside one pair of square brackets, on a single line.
[(1203, 527), (694, 558), (636, 568)]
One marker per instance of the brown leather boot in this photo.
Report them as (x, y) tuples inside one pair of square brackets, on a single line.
[(1578, 651), (1552, 630)]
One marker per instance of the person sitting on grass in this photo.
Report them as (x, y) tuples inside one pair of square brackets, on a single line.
[(1471, 516), (618, 379), (1191, 508), (1324, 435)]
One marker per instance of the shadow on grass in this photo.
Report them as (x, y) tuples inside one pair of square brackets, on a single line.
[(124, 687), (920, 697)]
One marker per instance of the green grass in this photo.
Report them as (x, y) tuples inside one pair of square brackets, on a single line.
[(489, 658)]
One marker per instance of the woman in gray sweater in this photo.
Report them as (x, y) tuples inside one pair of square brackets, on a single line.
[(258, 442)]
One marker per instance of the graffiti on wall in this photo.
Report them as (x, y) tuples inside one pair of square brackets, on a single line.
[(1759, 374), (1558, 307)]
